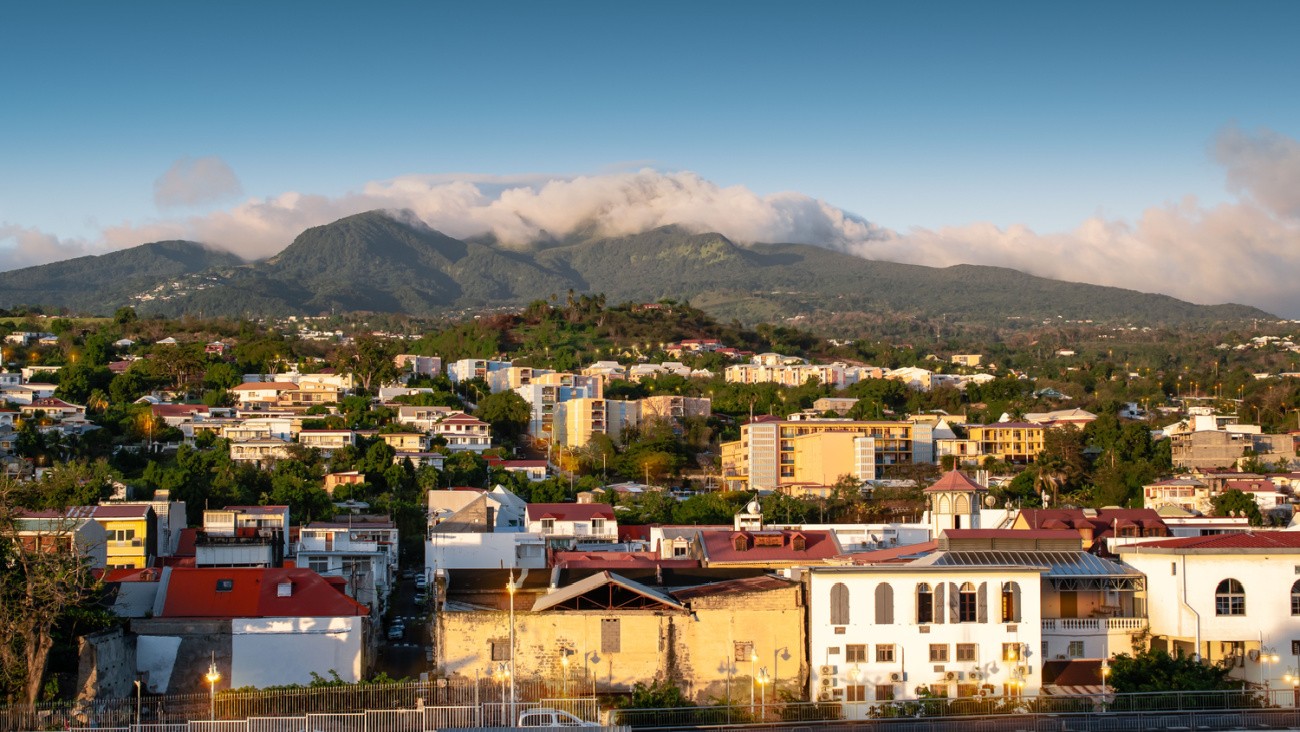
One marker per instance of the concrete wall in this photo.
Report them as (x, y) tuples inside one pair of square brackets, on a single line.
[(106, 668), (275, 651), (175, 653), (484, 551)]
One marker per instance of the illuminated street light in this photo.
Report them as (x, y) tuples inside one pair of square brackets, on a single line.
[(213, 677)]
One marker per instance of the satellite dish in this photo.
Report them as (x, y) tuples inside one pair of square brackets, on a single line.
[(753, 507)]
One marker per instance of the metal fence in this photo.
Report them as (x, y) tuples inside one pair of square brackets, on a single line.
[(1088, 713), (176, 712)]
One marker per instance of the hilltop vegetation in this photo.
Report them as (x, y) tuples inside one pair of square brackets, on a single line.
[(377, 262)]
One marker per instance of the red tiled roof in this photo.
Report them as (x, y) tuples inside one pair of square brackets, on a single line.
[(178, 410), (894, 554), (1246, 540), (1010, 534), (570, 511), (617, 560), (1042, 518), (1250, 486), (955, 480), (253, 593), (719, 547)]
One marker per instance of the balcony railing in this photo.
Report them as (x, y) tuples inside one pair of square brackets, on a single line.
[(1095, 625), (125, 543)]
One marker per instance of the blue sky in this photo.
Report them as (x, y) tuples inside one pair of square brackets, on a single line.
[(907, 114)]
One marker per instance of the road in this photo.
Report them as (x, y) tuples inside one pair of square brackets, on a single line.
[(411, 655)]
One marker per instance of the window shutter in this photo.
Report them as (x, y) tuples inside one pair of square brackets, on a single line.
[(982, 603), (884, 604), (839, 604), (938, 602), (954, 603), (1015, 602)]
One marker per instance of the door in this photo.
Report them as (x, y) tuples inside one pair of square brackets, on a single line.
[(1069, 605)]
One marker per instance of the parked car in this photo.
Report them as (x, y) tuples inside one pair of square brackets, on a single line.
[(421, 582), (396, 631), (546, 717)]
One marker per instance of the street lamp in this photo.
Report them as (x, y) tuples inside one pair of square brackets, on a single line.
[(137, 702), (1266, 656), (763, 680), (1105, 672), (510, 588), (213, 677), (753, 659)]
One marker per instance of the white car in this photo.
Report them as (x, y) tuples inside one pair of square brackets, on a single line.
[(421, 582), (396, 631), (544, 717)]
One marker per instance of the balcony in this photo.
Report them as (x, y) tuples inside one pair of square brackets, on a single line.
[(1092, 626), (125, 543)]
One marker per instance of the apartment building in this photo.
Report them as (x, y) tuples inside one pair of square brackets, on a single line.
[(1010, 442), (773, 453)]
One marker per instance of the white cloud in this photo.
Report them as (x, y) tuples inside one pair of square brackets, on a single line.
[(1237, 252), (196, 181)]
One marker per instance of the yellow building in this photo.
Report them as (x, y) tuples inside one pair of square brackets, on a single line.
[(772, 453), (132, 535), (1011, 442), (576, 420), (609, 632)]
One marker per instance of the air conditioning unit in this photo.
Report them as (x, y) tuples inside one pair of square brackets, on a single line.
[(827, 670), (898, 677), (1061, 657), (976, 675), (984, 692), (824, 696), (952, 676), (827, 682)]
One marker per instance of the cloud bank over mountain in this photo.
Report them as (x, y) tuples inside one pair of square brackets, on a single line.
[(1244, 251)]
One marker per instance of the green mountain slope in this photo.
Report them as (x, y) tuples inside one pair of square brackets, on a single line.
[(377, 262), (102, 283)]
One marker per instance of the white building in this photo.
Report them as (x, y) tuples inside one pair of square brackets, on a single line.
[(360, 549), (1225, 597)]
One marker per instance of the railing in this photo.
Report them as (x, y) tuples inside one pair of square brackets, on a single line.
[(157, 713), (125, 543), (1095, 713), (1093, 624)]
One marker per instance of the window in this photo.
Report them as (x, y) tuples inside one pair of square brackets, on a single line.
[(855, 693), (884, 604), (1230, 598), (965, 651), (966, 603), (1075, 649), (319, 565), (679, 550), (1173, 569), (884, 692), (1011, 690), (939, 690), (855, 653), (744, 650), (1010, 602), (121, 534), (1010, 651), (839, 604), (924, 603), (938, 653), (598, 526), (225, 585), (968, 690), (610, 638), (548, 526), (884, 653), (1295, 598), (500, 650)]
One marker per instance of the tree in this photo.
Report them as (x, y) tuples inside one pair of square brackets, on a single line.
[(1158, 671), (124, 315), (1235, 502), (506, 411), (42, 585), (368, 360)]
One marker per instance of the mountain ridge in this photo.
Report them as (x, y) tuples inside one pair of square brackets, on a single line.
[(376, 261)]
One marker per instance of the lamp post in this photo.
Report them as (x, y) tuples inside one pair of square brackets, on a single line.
[(510, 588), (762, 693), (213, 677), (753, 659), (137, 702), (1266, 659), (1105, 672)]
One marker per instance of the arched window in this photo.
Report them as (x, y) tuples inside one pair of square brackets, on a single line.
[(1010, 602), (1230, 598), (966, 603), (884, 604), (924, 603), (839, 604), (1295, 598), (961, 504)]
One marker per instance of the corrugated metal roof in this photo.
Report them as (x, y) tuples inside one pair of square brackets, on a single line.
[(1059, 564), (581, 587)]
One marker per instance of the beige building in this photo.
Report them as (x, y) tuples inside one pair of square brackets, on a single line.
[(711, 640), (1011, 442), (674, 407), (967, 359), (1206, 449), (773, 453)]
